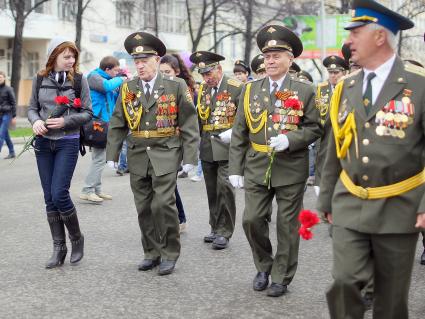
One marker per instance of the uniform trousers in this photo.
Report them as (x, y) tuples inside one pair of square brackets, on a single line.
[(155, 201), (221, 197), (393, 256), (258, 201)]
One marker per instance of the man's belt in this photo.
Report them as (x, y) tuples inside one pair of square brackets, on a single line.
[(382, 191), (213, 127), (261, 148), (154, 133)]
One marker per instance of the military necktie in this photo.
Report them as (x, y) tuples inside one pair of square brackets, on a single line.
[(273, 93), (367, 96), (215, 89), (147, 93)]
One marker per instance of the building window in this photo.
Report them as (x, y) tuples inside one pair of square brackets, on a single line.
[(33, 62), (172, 16), (124, 13), (67, 10)]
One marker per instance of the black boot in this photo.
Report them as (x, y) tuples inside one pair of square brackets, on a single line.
[(59, 242), (77, 239)]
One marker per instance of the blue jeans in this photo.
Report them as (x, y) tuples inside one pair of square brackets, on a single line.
[(123, 157), (311, 159), (56, 161), (4, 132)]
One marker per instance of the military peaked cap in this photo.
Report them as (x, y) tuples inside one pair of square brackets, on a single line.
[(279, 38), (335, 63), (369, 11), (205, 61), (143, 45)]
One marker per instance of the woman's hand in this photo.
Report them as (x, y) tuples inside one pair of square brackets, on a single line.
[(55, 123), (38, 128)]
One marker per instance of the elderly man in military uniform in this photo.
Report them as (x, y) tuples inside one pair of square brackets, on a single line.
[(217, 103), (336, 67), (162, 120), (258, 67), (275, 123), (373, 178)]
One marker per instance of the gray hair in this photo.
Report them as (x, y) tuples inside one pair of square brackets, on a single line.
[(392, 38)]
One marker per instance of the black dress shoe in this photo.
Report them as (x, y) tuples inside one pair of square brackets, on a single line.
[(210, 238), (261, 281), (166, 267), (423, 258), (220, 242), (148, 264), (277, 290)]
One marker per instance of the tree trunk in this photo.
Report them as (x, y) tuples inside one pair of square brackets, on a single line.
[(248, 33), (215, 26), (155, 8), (17, 46), (79, 24)]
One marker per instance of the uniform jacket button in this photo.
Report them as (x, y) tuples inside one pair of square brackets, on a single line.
[(365, 159)]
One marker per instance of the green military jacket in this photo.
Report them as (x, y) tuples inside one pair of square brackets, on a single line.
[(217, 112), (302, 129), (169, 109), (384, 156), (323, 99)]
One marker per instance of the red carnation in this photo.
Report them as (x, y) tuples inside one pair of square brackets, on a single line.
[(308, 219), (292, 103), (77, 103), (305, 233), (61, 99)]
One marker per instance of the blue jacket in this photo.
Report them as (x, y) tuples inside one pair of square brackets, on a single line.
[(104, 92)]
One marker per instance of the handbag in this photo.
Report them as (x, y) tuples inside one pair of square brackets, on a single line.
[(94, 133)]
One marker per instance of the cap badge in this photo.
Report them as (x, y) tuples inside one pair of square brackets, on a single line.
[(198, 54), (332, 66), (262, 65), (272, 42), (261, 56), (333, 57), (271, 30), (138, 37), (139, 49), (201, 65)]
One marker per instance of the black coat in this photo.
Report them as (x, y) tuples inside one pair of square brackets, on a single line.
[(7, 100)]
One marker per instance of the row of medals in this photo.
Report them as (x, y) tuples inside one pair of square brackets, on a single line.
[(392, 124), (223, 114), (284, 113), (165, 118)]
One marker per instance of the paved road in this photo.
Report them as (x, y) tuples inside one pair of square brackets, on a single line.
[(206, 283)]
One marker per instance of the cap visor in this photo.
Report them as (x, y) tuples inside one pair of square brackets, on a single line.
[(356, 24), (205, 70)]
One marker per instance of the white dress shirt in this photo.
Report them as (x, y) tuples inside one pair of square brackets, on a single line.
[(378, 81), (279, 83), (218, 87), (151, 84)]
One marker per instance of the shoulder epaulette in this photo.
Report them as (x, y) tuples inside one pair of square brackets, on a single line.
[(234, 82), (414, 69), (170, 78), (349, 75)]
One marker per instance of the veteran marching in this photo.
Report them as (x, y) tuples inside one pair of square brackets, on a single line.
[(218, 99), (161, 117), (275, 122), (372, 183)]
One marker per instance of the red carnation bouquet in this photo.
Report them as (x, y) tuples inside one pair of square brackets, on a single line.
[(307, 219), (62, 104)]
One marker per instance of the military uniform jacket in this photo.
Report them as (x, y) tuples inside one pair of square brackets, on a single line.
[(302, 129), (170, 107), (222, 110), (323, 99), (384, 156)]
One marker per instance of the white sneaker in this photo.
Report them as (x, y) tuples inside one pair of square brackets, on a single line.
[(196, 178), (91, 197), (182, 227), (104, 196)]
